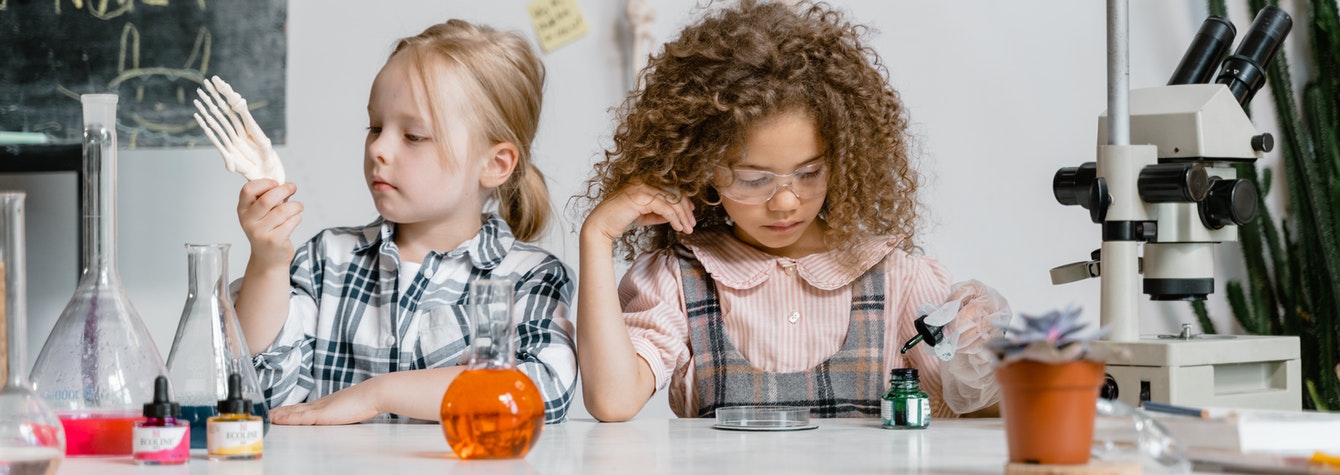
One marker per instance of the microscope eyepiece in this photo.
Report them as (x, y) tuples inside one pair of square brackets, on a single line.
[(1207, 50), (1071, 185), (1245, 71), (1229, 202)]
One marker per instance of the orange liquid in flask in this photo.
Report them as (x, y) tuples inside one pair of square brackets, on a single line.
[(492, 413)]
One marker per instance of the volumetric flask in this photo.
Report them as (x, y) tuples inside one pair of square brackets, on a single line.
[(98, 365)]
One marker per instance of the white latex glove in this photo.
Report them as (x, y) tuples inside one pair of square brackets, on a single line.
[(228, 123), (968, 378)]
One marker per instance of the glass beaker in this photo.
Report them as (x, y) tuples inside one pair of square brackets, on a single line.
[(492, 409), (209, 345), (1122, 433), (31, 439), (98, 365)]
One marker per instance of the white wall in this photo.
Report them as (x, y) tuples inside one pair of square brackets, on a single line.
[(1002, 94)]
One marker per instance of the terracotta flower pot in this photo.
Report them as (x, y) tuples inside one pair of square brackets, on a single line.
[(1049, 410)]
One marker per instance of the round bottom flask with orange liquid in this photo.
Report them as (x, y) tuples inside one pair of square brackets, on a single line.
[(492, 409)]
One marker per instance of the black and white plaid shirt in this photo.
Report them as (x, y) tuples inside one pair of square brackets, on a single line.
[(348, 320)]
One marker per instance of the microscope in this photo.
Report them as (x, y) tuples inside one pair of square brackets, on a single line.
[(1164, 180)]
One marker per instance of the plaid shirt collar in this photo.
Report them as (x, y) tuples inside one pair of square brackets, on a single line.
[(486, 250)]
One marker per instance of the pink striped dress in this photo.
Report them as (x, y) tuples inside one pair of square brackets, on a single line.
[(787, 315)]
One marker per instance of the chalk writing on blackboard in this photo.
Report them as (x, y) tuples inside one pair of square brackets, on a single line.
[(152, 53)]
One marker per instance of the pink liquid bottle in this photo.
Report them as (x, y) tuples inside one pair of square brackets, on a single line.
[(162, 438), (99, 363)]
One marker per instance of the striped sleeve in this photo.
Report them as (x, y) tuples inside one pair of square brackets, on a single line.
[(652, 298), (920, 280), (284, 369), (544, 349)]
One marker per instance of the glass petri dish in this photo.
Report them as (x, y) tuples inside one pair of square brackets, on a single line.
[(764, 418)]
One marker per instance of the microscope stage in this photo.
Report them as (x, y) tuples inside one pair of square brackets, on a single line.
[(1240, 371)]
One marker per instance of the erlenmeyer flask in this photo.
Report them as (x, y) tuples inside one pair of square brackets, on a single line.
[(492, 409), (209, 344), (98, 366), (31, 439)]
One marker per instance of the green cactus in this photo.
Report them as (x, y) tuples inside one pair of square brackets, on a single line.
[(1293, 269)]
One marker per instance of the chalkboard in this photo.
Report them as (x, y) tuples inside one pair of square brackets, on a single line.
[(152, 53)]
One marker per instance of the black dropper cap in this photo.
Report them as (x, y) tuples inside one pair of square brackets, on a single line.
[(903, 373), (235, 404), (161, 407)]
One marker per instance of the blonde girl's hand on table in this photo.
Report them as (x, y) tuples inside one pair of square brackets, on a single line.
[(416, 394), (351, 405), (268, 218), (640, 205)]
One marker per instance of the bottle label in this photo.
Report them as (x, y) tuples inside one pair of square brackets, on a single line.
[(234, 437), (922, 407), (158, 439), (905, 412)]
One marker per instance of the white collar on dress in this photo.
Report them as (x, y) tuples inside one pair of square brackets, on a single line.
[(740, 266)]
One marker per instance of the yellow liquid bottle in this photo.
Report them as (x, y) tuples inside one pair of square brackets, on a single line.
[(235, 434)]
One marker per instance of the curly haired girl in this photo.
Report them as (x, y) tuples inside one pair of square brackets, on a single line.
[(760, 181)]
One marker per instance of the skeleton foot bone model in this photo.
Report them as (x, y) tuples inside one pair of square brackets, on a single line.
[(224, 117)]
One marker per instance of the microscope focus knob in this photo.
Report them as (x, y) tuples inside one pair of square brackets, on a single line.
[(1099, 200), (1173, 183), (1263, 143), (1229, 202)]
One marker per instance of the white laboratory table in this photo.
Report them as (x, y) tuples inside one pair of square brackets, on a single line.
[(641, 446)]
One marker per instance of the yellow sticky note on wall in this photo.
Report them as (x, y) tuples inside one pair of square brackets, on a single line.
[(557, 22)]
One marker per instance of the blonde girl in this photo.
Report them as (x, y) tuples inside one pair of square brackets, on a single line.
[(369, 321)]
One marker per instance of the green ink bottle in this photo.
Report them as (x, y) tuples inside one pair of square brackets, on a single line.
[(905, 406)]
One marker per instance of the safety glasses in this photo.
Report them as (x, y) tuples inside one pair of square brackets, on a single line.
[(759, 186)]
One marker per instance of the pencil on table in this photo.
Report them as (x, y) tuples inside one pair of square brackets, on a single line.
[(1171, 409), (1325, 459)]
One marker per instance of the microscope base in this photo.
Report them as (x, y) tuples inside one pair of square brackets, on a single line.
[(1238, 371)]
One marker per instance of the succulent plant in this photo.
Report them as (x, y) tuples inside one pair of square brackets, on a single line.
[(1053, 337)]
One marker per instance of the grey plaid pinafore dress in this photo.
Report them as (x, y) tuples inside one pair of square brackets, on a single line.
[(847, 384)]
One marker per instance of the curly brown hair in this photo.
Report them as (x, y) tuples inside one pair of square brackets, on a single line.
[(740, 66)]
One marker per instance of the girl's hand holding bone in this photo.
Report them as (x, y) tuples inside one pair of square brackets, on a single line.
[(226, 121)]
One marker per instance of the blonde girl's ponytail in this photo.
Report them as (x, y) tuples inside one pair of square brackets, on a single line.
[(524, 202)]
